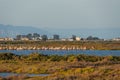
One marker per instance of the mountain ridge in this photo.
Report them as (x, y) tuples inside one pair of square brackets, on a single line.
[(12, 31)]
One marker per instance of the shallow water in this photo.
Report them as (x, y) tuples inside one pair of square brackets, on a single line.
[(6, 74), (66, 52)]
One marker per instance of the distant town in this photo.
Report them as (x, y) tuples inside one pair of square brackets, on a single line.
[(55, 37)]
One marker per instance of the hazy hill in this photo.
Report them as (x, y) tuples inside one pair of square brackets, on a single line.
[(12, 31)]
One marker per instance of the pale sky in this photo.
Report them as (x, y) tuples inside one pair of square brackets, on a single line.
[(61, 13), (65, 17)]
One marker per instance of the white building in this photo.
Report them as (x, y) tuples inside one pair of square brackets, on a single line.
[(116, 39), (78, 38), (1, 39), (24, 39), (6, 39)]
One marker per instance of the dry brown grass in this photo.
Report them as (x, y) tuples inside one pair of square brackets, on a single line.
[(71, 67), (64, 70)]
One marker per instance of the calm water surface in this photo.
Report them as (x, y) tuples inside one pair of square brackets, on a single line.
[(66, 52), (6, 74)]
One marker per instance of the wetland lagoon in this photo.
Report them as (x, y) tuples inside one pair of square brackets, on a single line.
[(102, 63), (65, 52)]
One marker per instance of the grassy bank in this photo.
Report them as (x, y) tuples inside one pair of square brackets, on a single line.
[(67, 67)]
